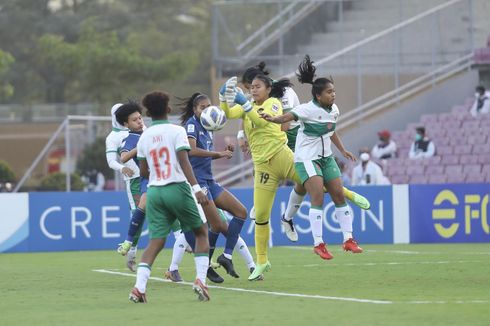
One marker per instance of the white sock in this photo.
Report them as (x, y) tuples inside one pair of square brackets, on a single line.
[(142, 275), (316, 222), (344, 216), (294, 202), (228, 256), (202, 265), (242, 248), (178, 252)]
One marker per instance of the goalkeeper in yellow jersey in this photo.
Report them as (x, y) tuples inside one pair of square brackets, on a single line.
[(273, 160)]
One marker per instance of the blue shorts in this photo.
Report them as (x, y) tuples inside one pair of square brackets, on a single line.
[(143, 185), (214, 188)]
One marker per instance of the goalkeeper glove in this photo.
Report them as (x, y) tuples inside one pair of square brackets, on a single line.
[(227, 91), (241, 99)]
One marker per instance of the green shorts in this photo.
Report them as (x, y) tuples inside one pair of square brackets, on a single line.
[(133, 192), (325, 167), (166, 204), (292, 134)]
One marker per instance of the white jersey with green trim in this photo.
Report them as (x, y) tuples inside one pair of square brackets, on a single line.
[(158, 145), (317, 125), (113, 143), (289, 101)]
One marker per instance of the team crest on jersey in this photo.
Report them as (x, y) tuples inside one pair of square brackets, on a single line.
[(190, 128), (275, 108), (329, 126)]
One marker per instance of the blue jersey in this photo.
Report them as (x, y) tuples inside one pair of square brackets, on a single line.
[(130, 143), (127, 145), (204, 140)]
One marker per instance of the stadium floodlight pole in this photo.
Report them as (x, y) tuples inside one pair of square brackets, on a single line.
[(41, 155)]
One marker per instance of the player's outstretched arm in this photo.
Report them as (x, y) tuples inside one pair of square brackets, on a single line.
[(340, 146), (126, 156), (280, 119)]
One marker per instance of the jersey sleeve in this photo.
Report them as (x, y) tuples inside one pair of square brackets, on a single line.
[(191, 128), (129, 143), (140, 149), (300, 112), (111, 145), (290, 100), (181, 141), (235, 112)]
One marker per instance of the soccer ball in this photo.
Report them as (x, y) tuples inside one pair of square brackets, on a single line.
[(213, 118)]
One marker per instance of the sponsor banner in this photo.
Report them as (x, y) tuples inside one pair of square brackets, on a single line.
[(449, 213), (372, 226), (14, 222), (58, 221)]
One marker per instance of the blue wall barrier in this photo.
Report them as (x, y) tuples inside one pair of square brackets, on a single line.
[(60, 221), (449, 213)]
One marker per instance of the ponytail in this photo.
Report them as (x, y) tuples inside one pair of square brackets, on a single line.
[(306, 75)]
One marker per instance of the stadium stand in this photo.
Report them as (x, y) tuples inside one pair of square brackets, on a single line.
[(462, 149)]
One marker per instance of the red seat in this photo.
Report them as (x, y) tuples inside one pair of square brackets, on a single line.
[(437, 178), (485, 169), (414, 169), (455, 178), (434, 169), (468, 159), (462, 149), (472, 168), (453, 170), (397, 170), (444, 150), (399, 179), (432, 160), (418, 179), (450, 159), (481, 149), (475, 178), (484, 159), (477, 139)]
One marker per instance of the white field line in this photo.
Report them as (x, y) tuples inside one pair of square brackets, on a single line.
[(321, 297), (259, 291), (403, 252), (395, 263)]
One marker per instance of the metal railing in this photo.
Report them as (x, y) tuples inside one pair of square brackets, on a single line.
[(406, 91)]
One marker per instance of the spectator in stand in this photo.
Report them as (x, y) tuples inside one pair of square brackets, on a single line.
[(368, 172), (386, 148), (422, 147), (482, 102)]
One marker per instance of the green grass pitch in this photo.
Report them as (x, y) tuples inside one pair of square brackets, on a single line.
[(386, 285)]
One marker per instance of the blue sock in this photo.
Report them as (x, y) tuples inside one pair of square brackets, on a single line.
[(137, 221), (191, 239), (213, 238), (234, 229)]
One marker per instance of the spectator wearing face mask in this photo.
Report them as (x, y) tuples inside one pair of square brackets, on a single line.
[(386, 148), (422, 147), (367, 172), (482, 102)]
